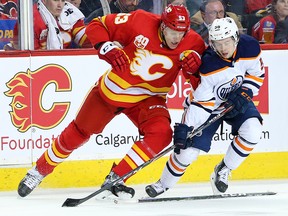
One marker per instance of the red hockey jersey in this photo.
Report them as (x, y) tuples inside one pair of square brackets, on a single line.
[(153, 67)]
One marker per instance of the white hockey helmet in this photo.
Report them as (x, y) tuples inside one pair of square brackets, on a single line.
[(223, 28)]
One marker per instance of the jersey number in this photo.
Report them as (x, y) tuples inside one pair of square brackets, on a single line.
[(121, 18)]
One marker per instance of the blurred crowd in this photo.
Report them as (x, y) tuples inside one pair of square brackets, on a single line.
[(265, 20)]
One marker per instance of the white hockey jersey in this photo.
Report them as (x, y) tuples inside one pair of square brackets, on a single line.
[(220, 76)]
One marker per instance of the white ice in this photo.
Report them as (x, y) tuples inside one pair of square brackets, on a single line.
[(48, 202)]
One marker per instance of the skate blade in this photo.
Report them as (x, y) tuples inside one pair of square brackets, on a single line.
[(109, 195), (214, 188), (124, 196)]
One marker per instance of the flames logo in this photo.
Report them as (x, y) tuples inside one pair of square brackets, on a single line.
[(27, 90), (8, 10), (145, 60)]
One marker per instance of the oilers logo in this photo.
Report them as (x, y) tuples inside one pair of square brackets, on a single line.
[(224, 89)]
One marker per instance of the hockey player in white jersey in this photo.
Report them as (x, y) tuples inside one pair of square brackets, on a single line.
[(231, 74)]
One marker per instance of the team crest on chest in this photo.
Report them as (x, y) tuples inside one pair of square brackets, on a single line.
[(143, 62), (227, 87)]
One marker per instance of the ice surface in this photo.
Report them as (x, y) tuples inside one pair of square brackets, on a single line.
[(48, 202)]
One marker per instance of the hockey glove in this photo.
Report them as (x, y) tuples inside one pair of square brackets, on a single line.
[(191, 62), (181, 141), (240, 99), (115, 56)]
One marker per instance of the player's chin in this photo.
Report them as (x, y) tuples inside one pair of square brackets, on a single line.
[(173, 45), (226, 55)]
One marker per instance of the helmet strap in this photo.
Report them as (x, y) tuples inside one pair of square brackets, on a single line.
[(162, 27)]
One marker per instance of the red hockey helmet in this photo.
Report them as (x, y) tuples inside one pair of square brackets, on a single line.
[(176, 17)]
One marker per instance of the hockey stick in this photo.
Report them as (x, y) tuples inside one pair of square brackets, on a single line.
[(210, 121), (205, 197), (70, 202)]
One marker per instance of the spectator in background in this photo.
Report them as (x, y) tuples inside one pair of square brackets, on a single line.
[(258, 7), (116, 6), (254, 10), (76, 3), (57, 25), (279, 12), (209, 11), (281, 32)]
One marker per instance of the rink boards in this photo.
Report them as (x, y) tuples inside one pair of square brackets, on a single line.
[(53, 90)]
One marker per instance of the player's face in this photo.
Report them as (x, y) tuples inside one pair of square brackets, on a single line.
[(225, 47), (172, 37), (54, 6), (281, 8)]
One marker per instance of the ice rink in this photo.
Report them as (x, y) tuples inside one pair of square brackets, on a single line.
[(46, 202)]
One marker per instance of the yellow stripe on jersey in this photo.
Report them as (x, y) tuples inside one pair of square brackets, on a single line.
[(125, 85), (82, 40), (57, 153), (76, 30), (257, 79), (178, 169), (208, 103), (130, 162), (102, 20), (140, 153), (49, 161), (242, 146), (120, 97)]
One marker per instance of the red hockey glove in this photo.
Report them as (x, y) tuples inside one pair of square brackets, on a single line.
[(191, 62), (115, 56)]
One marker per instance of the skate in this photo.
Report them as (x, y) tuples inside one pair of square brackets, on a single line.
[(32, 179), (219, 178), (155, 189), (119, 190)]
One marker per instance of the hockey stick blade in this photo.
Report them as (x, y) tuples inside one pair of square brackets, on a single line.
[(205, 197), (70, 202)]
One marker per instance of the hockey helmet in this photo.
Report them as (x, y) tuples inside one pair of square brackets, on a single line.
[(223, 28), (176, 17)]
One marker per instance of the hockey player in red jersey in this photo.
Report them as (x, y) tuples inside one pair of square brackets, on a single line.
[(232, 72), (144, 51)]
